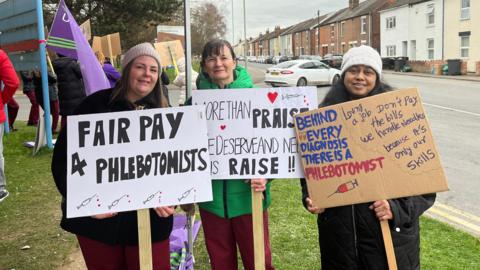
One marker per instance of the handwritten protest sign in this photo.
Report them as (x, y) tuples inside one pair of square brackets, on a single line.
[(136, 159), (250, 131), (170, 51), (374, 148)]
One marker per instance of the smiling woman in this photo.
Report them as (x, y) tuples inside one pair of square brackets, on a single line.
[(348, 235), (227, 220), (110, 241)]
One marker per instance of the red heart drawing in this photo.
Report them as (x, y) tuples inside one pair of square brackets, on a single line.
[(272, 96), (222, 127)]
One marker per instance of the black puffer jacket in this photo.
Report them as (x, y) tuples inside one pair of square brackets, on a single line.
[(122, 228), (70, 84), (350, 236)]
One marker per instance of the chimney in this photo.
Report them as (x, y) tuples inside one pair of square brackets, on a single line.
[(352, 4)]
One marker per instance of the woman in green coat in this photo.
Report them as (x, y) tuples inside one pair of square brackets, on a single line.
[(227, 220)]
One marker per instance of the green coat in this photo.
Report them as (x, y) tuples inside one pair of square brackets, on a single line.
[(231, 198)]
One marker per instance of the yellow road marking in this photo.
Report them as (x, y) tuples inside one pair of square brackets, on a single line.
[(457, 220), (458, 211)]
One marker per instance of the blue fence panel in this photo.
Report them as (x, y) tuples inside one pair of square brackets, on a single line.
[(18, 20), (25, 61), (13, 7)]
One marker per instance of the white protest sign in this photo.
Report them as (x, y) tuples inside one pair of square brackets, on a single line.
[(134, 160), (250, 131)]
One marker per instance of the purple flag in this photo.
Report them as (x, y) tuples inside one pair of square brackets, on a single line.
[(67, 38)]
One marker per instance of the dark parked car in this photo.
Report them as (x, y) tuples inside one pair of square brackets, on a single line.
[(268, 60), (333, 60)]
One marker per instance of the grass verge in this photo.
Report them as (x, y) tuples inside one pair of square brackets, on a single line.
[(31, 214)]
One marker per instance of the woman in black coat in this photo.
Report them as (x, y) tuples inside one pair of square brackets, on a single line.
[(350, 236), (110, 241)]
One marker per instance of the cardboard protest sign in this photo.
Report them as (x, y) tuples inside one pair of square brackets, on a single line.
[(134, 160), (169, 51), (86, 29), (109, 45), (250, 131), (380, 147)]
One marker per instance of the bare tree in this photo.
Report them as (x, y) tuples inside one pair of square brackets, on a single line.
[(207, 23)]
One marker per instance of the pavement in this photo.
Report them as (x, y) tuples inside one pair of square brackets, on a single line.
[(469, 77)]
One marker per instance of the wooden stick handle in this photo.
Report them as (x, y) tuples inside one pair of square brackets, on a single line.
[(387, 240), (258, 237), (144, 239)]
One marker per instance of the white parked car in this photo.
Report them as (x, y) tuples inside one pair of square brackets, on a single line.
[(301, 73)]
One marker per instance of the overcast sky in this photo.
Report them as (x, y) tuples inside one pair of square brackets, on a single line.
[(263, 14)]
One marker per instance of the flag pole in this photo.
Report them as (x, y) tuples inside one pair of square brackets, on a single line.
[(43, 67)]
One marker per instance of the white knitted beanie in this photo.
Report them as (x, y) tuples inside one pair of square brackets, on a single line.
[(139, 50), (363, 55)]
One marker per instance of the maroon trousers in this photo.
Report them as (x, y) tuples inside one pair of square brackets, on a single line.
[(55, 112), (100, 256), (13, 107), (34, 109), (222, 235)]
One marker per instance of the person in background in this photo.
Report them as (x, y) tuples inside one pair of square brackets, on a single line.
[(181, 80), (112, 74), (110, 241), (29, 91), (227, 220), (165, 81), (12, 107), (71, 91), (52, 94), (9, 79), (350, 236)]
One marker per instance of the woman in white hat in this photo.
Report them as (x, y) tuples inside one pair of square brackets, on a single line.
[(350, 236), (110, 241)]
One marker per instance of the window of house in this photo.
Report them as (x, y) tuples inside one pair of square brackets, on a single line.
[(363, 24), (344, 48), (430, 14), (342, 28), (391, 22), (464, 46), (430, 48), (391, 50), (465, 10), (332, 30)]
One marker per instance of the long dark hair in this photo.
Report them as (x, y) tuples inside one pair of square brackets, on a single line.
[(215, 47), (338, 92), (155, 99)]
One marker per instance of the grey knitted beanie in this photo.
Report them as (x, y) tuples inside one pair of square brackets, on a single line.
[(139, 50)]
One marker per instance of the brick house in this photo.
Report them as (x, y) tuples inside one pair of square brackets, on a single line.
[(358, 24), (301, 37), (315, 48)]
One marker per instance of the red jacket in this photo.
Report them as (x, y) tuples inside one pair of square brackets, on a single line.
[(10, 81)]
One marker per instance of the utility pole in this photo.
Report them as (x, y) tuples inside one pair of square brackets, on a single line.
[(245, 32), (233, 26), (318, 32)]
